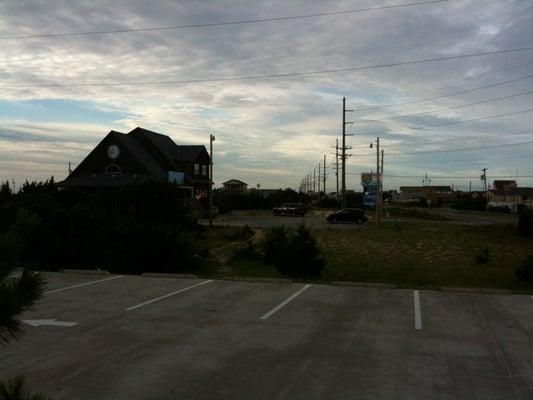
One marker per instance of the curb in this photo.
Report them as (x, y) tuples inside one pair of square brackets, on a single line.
[(258, 279), (169, 275), (364, 284), (85, 271), (474, 290), (459, 289), (496, 291)]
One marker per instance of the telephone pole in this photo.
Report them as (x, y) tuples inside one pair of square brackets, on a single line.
[(319, 178), (377, 182), (211, 140), (337, 165), (344, 155), (324, 172), (381, 187)]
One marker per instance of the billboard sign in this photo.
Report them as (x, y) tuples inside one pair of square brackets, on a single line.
[(369, 182), (176, 177)]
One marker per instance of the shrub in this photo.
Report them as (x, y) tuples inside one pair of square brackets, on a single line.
[(243, 233), (525, 222), (294, 253), (482, 256), (524, 272), (249, 251)]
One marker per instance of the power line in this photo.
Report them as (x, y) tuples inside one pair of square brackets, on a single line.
[(452, 150), (446, 95), (459, 177), (450, 177), (272, 76), (449, 108), (473, 119), (452, 139), (226, 23), (456, 160), (422, 128)]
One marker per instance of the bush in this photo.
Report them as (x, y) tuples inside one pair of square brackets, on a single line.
[(132, 229), (243, 233), (249, 251), (525, 222), (294, 253), (524, 272), (482, 256)]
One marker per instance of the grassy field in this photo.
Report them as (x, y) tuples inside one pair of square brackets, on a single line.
[(415, 255), (419, 255)]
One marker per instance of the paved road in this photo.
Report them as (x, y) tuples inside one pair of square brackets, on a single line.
[(317, 220), (155, 338), (267, 220)]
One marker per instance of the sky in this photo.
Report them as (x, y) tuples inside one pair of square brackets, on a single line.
[(274, 131)]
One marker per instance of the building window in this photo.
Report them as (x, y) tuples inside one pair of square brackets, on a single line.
[(113, 169), (204, 170), (196, 169)]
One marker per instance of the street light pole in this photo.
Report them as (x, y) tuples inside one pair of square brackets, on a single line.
[(211, 140)]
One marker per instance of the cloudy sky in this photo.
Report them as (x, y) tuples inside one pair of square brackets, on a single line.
[(273, 131)]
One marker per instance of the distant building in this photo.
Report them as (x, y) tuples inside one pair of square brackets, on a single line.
[(140, 156), (430, 193), (263, 192), (234, 186), (508, 194)]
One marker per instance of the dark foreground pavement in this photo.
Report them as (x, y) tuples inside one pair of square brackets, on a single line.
[(155, 338)]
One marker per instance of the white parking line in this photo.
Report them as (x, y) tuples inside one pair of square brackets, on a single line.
[(285, 302), (168, 295), (83, 284), (418, 313)]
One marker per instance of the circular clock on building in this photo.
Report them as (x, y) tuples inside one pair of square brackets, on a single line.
[(113, 151)]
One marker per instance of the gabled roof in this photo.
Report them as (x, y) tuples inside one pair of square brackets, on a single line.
[(140, 153), (167, 147), (234, 182)]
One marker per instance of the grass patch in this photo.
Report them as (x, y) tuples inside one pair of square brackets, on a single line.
[(422, 256), (415, 255)]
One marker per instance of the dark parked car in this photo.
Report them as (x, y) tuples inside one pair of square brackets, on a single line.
[(294, 209), (348, 215)]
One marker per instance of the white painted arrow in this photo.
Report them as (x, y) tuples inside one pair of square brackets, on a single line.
[(51, 322)]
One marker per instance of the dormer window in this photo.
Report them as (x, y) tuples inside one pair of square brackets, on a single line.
[(196, 169), (204, 170)]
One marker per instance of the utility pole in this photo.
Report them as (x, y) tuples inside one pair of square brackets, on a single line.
[(377, 182), (319, 178), (314, 180), (381, 187), (211, 140), (337, 165), (344, 155), (324, 172)]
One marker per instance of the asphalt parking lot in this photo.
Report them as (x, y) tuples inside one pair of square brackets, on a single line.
[(132, 337)]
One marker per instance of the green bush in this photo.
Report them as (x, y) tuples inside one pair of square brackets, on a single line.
[(524, 272), (482, 256), (133, 229), (525, 222), (249, 251), (294, 253), (243, 233)]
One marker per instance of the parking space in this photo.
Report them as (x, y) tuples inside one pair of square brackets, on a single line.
[(154, 338)]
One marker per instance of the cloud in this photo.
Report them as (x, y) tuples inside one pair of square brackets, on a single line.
[(273, 131)]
